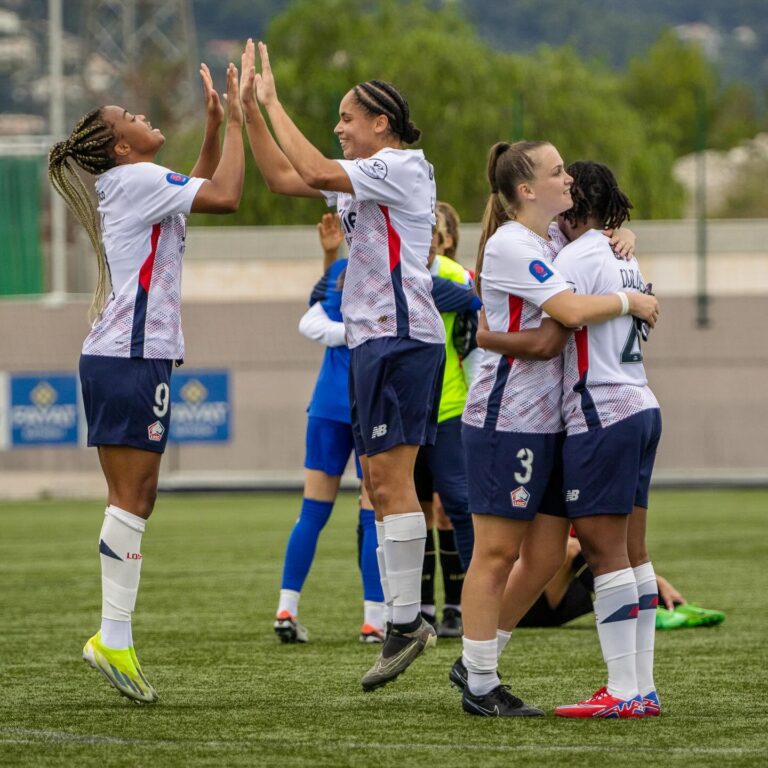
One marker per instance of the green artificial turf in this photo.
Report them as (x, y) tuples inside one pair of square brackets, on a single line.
[(231, 695)]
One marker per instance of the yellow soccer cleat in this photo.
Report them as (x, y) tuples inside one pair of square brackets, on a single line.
[(121, 668)]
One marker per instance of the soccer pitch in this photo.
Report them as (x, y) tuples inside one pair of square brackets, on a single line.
[(231, 695)]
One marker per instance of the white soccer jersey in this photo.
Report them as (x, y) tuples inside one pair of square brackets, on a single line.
[(143, 224), (508, 394), (388, 226), (604, 378)]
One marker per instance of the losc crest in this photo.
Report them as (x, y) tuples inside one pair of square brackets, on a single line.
[(43, 409), (200, 407)]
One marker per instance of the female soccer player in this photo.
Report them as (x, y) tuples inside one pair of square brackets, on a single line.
[(126, 362), (613, 424), (385, 196), (512, 422), (329, 443)]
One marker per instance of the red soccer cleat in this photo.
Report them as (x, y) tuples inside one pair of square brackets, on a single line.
[(651, 704), (603, 705)]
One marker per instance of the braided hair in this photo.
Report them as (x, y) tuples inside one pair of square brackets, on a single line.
[(90, 145), (596, 192), (508, 166), (380, 98)]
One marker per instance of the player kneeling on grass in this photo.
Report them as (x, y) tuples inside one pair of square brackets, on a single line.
[(126, 361)]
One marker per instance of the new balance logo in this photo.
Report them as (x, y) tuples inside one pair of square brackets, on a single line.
[(379, 431), (572, 495)]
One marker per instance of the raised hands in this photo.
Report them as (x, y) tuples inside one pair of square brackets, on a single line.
[(329, 230), (234, 108), (248, 74), (266, 91), (213, 108)]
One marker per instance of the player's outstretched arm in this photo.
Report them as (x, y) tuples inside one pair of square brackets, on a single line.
[(222, 193), (542, 343), (278, 173), (210, 152), (574, 310), (317, 171)]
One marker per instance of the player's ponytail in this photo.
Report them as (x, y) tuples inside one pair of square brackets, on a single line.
[(508, 166), (378, 97), (90, 146)]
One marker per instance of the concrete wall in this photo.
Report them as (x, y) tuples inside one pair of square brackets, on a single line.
[(713, 384), (245, 289)]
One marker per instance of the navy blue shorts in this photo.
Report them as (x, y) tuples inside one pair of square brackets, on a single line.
[(394, 393), (127, 401), (514, 474), (607, 471), (329, 444)]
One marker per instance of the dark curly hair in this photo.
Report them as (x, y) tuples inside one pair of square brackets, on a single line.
[(596, 192)]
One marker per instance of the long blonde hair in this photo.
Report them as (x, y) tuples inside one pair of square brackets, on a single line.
[(508, 166), (90, 146), (448, 222)]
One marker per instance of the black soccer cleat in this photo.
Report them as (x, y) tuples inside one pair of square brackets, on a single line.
[(500, 702), (451, 625), (458, 674)]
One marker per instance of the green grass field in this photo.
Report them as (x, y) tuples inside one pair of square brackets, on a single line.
[(231, 695)]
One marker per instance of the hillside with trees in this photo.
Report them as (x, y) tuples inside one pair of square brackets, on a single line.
[(465, 95), (634, 85)]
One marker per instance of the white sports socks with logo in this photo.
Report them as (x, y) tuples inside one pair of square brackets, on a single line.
[(120, 554)]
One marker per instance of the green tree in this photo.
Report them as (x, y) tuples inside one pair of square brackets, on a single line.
[(463, 95)]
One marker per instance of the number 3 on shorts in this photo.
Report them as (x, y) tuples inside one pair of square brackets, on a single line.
[(162, 399), (526, 459)]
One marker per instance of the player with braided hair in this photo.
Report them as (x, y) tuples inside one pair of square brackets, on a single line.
[(90, 146), (125, 367), (385, 197)]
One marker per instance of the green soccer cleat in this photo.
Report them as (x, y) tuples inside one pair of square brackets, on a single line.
[(669, 619), (699, 617), (121, 669)]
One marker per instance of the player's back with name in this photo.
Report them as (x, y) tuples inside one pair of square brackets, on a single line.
[(605, 358)]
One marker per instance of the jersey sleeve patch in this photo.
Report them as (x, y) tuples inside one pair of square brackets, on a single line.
[(177, 178), (375, 167), (540, 271)]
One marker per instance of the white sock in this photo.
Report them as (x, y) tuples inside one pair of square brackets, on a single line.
[(289, 601), (647, 591), (616, 617), (480, 660), (383, 571), (373, 614), (429, 610), (502, 638), (120, 555), (116, 634), (404, 538)]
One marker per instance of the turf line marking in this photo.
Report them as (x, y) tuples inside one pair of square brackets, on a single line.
[(36, 736)]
